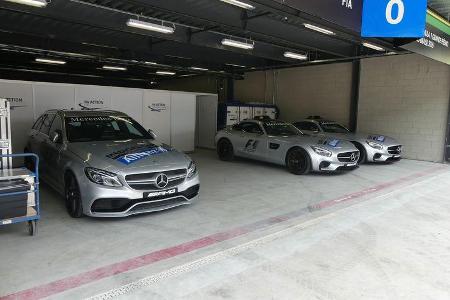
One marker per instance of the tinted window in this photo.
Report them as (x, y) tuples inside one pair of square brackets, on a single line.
[(251, 128), (308, 126), (38, 123), (281, 129), (47, 123), (103, 128), (334, 128), (56, 125)]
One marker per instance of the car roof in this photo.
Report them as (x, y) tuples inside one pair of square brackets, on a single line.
[(86, 113)]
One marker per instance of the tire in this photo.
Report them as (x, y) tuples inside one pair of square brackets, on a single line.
[(73, 197), (298, 161), (29, 162), (362, 153), (225, 150), (32, 228)]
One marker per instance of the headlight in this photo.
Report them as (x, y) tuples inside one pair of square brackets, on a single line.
[(322, 151), (374, 145), (192, 169), (102, 177)]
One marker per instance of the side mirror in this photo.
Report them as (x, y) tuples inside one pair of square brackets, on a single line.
[(56, 137), (152, 134)]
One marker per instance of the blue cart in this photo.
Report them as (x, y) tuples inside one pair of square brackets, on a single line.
[(33, 211)]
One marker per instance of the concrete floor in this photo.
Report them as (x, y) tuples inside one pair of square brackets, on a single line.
[(380, 232)]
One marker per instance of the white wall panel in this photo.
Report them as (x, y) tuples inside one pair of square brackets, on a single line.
[(48, 96), (156, 114), (128, 101), (183, 115), (206, 121), (22, 117), (92, 97)]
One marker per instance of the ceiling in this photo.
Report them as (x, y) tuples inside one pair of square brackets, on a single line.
[(88, 34)]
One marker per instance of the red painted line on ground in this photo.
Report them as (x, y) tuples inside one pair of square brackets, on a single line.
[(75, 281)]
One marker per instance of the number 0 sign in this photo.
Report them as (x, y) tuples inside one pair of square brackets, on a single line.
[(394, 18)]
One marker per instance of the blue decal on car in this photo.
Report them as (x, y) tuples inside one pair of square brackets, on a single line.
[(334, 143), (130, 158), (380, 138)]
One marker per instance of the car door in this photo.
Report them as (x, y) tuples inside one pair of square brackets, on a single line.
[(52, 152), (41, 142), (33, 136), (251, 141)]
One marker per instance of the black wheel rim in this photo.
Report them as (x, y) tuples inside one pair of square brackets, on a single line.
[(297, 161), (72, 196)]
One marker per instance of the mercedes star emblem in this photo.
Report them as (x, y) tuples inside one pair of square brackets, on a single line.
[(162, 181), (353, 157)]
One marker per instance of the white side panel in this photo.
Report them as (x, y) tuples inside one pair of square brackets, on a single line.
[(48, 96), (206, 121), (92, 97), (245, 113), (20, 96), (183, 114), (128, 101), (156, 114), (258, 111), (270, 112)]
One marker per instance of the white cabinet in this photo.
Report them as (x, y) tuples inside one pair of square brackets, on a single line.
[(206, 121), (183, 115)]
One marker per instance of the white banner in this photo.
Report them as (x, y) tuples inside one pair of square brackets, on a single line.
[(92, 97)]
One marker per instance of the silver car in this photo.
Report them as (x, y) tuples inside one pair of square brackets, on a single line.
[(281, 143), (107, 165), (373, 147)]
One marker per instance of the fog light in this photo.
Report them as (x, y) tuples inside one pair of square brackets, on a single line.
[(324, 165)]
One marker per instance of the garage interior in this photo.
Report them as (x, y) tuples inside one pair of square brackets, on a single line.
[(256, 231)]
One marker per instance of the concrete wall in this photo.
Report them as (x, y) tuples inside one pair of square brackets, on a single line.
[(323, 90), (406, 97)]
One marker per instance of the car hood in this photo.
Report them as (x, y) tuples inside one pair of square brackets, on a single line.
[(332, 143), (123, 156), (363, 137)]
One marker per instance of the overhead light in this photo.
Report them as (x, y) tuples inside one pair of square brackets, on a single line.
[(165, 73), (239, 4), (150, 26), (35, 3), (372, 46), (319, 29), (150, 63), (153, 82), (188, 75), (295, 55), (50, 61), (114, 68), (198, 69), (238, 66), (238, 44)]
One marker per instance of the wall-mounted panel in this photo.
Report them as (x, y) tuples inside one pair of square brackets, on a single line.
[(156, 114), (128, 101), (92, 97), (183, 115), (48, 96)]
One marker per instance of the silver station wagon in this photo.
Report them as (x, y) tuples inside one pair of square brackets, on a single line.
[(107, 165)]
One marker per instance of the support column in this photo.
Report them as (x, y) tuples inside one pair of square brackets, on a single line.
[(354, 101)]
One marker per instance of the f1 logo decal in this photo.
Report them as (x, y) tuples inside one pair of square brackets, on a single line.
[(251, 146)]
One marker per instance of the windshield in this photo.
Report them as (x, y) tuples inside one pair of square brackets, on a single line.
[(103, 128), (281, 129), (334, 128)]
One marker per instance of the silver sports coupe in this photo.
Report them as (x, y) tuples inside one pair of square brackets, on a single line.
[(107, 165), (373, 147), (283, 144)]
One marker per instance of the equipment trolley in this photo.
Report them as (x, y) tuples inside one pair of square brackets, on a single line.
[(14, 179)]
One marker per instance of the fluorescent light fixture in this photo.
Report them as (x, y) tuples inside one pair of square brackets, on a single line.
[(150, 63), (153, 82), (165, 73), (35, 3), (188, 75), (237, 66), (150, 26), (198, 69), (239, 4), (50, 61), (319, 29), (238, 44), (293, 55), (372, 46), (114, 68)]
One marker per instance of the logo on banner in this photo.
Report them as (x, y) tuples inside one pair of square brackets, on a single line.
[(158, 107), (394, 18), (15, 102), (91, 104), (347, 4)]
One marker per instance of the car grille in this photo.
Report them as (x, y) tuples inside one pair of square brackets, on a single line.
[(349, 157), (160, 204), (147, 181), (395, 149)]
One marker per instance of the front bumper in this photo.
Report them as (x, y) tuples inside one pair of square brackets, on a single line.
[(337, 162), (383, 155), (100, 201)]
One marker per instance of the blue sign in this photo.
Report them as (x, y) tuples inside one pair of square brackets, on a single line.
[(394, 18), (130, 158)]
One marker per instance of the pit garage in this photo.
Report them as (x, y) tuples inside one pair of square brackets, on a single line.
[(224, 149)]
